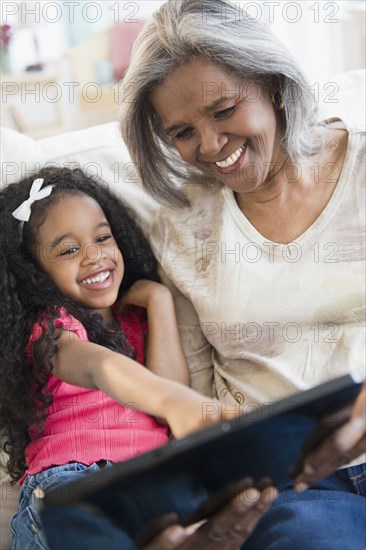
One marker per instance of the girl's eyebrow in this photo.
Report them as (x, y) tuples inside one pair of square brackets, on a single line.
[(59, 239), (208, 108), (69, 234)]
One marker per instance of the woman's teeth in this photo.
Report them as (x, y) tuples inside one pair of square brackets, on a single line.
[(100, 278), (232, 159)]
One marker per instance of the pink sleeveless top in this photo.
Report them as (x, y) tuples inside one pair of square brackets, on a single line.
[(85, 425)]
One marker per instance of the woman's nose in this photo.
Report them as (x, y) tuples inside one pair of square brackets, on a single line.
[(211, 142)]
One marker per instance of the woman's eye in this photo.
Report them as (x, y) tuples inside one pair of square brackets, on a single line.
[(187, 132), (224, 113)]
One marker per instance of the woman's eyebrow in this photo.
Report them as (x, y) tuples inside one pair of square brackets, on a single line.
[(208, 108), (216, 103)]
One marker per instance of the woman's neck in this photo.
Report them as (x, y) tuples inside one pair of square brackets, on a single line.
[(294, 197)]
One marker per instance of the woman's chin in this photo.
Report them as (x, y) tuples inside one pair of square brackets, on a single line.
[(240, 184)]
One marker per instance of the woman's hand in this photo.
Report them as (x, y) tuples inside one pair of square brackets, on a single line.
[(227, 529), (342, 445)]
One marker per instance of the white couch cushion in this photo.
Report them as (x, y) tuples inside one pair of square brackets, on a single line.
[(20, 155), (344, 96), (98, 150)]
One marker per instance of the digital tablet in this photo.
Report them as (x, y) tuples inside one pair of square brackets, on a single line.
[(189, 476)]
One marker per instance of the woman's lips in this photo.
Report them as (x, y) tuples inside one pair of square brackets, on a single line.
[(236, 164)]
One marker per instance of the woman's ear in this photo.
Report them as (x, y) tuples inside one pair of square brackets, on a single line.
[(275, 94), (273, 85)]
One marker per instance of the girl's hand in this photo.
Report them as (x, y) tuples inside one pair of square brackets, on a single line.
[(144, 293), (187, 411), (163, 351), (342, 445)]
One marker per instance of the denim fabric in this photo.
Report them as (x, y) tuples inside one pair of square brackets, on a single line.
[(82, 528), (28, 532), (329, 516)]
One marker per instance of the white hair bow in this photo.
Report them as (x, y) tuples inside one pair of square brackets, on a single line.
[(23, 212)]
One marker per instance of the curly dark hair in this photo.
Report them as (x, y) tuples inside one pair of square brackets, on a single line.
[(28, 293)]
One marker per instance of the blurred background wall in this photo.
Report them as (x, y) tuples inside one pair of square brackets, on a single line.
[(61, 60)]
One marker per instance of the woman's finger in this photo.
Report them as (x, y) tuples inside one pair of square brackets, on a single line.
[(169, 539), (345, 443), (229, 528), (325, 460)]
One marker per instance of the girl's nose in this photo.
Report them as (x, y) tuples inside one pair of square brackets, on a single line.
[(92, 254)]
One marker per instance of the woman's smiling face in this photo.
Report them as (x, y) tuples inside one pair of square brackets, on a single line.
[(220, 124)]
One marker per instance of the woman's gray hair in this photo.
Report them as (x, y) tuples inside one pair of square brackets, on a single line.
[(180, 31)]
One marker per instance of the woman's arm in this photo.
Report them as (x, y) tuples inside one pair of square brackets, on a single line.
[(93, 366), (164, 354), (196, 348)]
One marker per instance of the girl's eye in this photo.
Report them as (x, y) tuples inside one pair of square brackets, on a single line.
[(69, 251), (184, 134), (224, 113), (103, 238)]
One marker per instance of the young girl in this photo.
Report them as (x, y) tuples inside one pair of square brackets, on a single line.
[(79, 289)]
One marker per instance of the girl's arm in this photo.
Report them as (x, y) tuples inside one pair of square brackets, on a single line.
[(164, 353), (93, 366)]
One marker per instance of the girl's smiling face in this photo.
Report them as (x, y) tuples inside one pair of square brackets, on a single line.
[(76, 248), (219, 123)]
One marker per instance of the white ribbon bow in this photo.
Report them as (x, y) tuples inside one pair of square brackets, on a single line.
[(23, 212)]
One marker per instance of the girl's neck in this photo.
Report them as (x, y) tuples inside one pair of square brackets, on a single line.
[(107, 314)]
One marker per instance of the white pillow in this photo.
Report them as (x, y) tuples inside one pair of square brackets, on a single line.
[(344, 96), (98, 150), (20, 156)]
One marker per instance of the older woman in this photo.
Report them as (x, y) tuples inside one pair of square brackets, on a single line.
[(263, 241)]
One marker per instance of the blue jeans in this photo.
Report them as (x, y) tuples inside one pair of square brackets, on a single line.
[(329, 516), (78, 528)]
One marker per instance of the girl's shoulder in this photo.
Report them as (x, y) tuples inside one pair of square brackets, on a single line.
[(63, 320)]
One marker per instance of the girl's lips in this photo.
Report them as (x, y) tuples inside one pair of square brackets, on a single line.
[(234, 166), (102, 279)]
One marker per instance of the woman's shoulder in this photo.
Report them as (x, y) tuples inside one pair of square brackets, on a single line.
[(205, 204), (180, 232), (352, 129)]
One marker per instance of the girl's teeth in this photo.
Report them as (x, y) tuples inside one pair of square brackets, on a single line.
[(230, 160), (98, 278)]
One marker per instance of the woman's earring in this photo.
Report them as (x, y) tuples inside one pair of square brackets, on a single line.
[(277, 101)]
